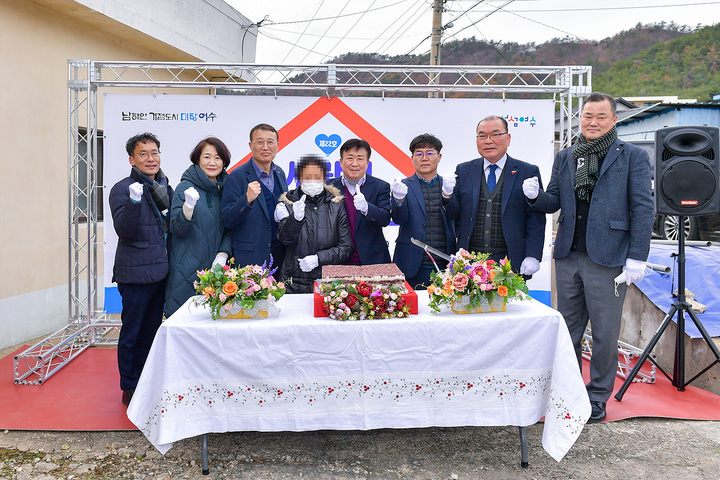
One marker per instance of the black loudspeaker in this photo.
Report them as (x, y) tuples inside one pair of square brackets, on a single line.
[(687, 171)]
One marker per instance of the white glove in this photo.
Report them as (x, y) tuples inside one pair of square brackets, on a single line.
[(220, 259), (399, 189), (281, 212), (634, 270), (136, 191), (529, 266), (299, 209), (360, 203), (448, 184), (531, 188), (307, 264), (191, 197)]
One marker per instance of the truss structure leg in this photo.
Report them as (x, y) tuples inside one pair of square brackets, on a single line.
[(626, 354)]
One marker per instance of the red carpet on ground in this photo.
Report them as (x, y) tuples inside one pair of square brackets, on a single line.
[(660, 399), (85, 395)]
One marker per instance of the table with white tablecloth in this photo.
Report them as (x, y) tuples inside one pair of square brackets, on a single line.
[(299, 373)]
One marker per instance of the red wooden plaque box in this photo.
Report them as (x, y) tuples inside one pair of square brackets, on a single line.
[(410, 299)]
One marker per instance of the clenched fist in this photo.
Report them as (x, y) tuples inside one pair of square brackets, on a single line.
[(253, 191)]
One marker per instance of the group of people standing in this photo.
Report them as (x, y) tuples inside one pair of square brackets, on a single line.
[(494, 204)]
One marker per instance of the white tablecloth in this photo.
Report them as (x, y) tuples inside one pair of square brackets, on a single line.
[(298, 373)]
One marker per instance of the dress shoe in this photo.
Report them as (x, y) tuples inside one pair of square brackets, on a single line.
[(598, 412), (127, 396)]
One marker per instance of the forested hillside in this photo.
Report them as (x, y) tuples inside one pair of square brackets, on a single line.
[(658, 59)]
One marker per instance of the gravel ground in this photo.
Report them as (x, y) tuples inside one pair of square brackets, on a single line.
[(629, 449)]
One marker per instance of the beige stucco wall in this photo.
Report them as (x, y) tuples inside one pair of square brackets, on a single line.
[(36, 40)]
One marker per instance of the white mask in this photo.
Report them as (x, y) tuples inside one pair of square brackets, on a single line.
[(312, 187)]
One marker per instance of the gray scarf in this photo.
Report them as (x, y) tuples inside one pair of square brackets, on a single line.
[(159, 191), (588, 156)]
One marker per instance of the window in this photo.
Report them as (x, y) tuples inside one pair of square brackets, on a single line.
[(82, 174)]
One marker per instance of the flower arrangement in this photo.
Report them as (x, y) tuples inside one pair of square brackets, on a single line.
[(362, 301), (222, 286), (473, 280)]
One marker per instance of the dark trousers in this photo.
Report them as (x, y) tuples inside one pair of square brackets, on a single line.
[(142, 311), (421, 280), (586, 291)]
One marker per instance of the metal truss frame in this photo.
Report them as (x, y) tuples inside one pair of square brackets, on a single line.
[(626, 354), (87, 323)]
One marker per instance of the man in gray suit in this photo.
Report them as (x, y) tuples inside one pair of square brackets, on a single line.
[(602, 187)]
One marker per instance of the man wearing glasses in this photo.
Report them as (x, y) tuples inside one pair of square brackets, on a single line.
[(488, 202), (416, 205), (249, 198), (140, 207)]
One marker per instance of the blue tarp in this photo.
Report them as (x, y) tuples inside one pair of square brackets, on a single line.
[(702, 278)]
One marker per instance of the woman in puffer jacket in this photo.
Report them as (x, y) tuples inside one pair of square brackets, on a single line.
[(199, 239), (313, 225)]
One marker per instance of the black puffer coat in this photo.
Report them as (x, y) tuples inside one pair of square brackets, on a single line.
[(325, 232), (196, 242)]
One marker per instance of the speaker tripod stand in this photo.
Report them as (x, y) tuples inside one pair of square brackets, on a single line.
[(680, 306)]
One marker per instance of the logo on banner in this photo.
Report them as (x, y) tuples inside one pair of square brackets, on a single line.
[(518, 120), (165, 116), (328, 143)]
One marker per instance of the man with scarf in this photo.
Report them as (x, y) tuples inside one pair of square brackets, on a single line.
[(602, 187), (140, 207)]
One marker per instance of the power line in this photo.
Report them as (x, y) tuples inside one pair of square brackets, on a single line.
[(348, 31), (331, 37), (620, 8), (548, 26), (409, 23), (501, 7), (392, 35), (327, 29), (301, 35), (464, 28), (273, 37), (466, 11), (341, 16)]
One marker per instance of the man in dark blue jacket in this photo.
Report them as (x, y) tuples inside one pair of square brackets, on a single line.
[(249, 199), (367, 200), (140, 207), (417, 209), (488, 202)]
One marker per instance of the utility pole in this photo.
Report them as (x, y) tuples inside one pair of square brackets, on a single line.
[(435, 41)]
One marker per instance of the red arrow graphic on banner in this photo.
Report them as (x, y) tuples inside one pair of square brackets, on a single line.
[(354, 122)]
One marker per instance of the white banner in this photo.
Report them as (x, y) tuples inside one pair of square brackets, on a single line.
[(319, 126)]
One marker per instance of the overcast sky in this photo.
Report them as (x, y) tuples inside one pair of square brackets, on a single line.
[(403, 26)]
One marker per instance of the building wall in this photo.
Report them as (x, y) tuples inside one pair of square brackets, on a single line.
[(192, 23), (36, 40), (644, 129)]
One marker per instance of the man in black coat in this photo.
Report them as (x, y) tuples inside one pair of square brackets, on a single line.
[(140, 207), (367, 200)]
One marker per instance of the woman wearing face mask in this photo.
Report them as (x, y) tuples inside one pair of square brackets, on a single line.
[(199, 240), (313, 225)]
